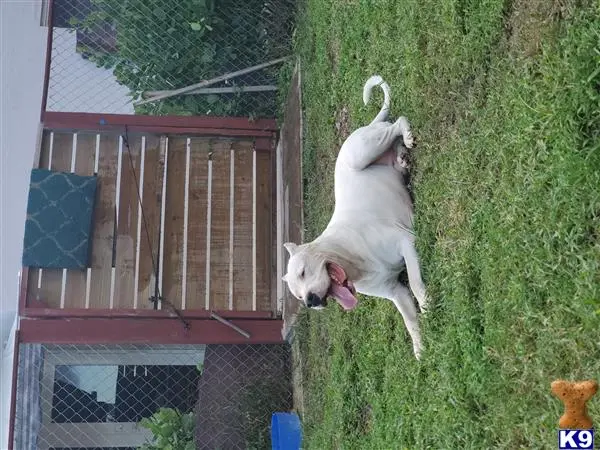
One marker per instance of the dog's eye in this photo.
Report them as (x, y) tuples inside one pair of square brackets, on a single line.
[(302, 274)]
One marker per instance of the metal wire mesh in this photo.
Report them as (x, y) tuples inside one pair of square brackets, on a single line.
[(241, 386), (107, 54), (98, 397)]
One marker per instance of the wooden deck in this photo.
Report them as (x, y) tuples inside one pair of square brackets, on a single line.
[(201, 236)]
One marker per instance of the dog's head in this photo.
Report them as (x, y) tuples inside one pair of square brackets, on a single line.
[(307, 276), (311, 278)]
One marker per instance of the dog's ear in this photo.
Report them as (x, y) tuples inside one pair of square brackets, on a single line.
[(285, 278), (290, 247)]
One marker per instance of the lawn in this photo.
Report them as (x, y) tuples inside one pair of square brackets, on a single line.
[(504, 98)]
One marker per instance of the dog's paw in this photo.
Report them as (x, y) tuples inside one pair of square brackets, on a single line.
[(413, 140), (404, 128), (417, 352), (409, 140)]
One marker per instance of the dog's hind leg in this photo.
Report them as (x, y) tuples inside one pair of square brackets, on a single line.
[(413, 269), (365, 145)]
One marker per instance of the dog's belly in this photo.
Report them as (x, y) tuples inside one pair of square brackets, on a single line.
[(375, 193)]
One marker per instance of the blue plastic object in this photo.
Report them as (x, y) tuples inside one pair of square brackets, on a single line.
[(286, 431), (58, 228)]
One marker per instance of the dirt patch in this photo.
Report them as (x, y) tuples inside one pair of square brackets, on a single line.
[(333, 53), (365, 423), (342, 124), (529, 22), (297, 370)]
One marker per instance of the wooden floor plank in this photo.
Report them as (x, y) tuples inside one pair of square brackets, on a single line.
[(50, 292), (263, 231), (127, 223), (242, 249), (219, 246), (149, 235), (174, 215), (104, 217), (196, 253), (84, 165), (47, 141)]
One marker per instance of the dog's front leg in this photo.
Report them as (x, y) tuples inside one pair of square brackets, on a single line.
[(366, 145), (403, 301)]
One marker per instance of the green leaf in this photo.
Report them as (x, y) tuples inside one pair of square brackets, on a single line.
[(188, 422), (146, 423), (195, 26)]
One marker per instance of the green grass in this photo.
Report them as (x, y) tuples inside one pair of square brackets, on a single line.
[(504, 97)]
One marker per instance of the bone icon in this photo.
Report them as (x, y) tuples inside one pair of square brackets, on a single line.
[(574, 395)]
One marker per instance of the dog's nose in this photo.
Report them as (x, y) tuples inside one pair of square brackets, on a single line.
[(312, 300)]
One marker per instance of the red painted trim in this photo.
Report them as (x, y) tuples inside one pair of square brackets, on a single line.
[(265, 144), (48, 57), (165, 313), (147, 331), (13, 393), (54, 119), (23, 290), (33, 303)]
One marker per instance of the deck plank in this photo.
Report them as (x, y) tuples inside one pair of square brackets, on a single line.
[(150, 227), (219, 246), (127, 223), (51, 287), (196, 254), (264, 302), (174, 222), (84, 165), (104, 219), (242, 247)]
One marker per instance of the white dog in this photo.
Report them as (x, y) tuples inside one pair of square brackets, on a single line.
[(369, 239)]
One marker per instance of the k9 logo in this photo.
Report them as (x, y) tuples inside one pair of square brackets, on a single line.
[(575, 439)]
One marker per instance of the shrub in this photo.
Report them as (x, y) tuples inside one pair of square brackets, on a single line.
[(169, 45), (171, 430)]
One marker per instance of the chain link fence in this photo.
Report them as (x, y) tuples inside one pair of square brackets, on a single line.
[(224, 56), (75, 397)]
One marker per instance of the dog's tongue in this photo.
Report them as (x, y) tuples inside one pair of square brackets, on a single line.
[(343, 296), (340, 287)]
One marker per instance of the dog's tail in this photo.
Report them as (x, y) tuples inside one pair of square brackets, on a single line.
[(376, 80)]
